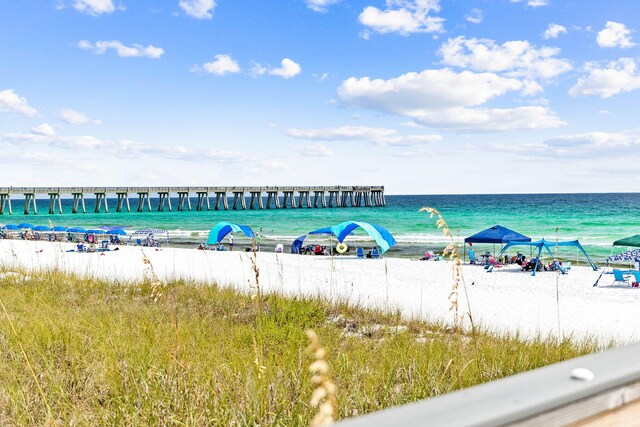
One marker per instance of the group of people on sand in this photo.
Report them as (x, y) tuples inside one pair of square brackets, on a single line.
[(487, 259)]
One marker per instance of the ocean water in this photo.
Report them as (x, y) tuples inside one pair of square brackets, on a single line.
[(595, 219)]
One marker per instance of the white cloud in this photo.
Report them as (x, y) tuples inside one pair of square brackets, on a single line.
[(316, 150), (403, 17), (343, 133), (74, 117), (199, 9), (615, 34), (123, 148), (475, 16), (618, 76), (94, 7), (518, 58), (222, 65), (553, 31), (442, 98), (44, 129), (11, 102), (377, 136), (288, 69), (533, 3), (320, 5), (123, 51), (257, 69)]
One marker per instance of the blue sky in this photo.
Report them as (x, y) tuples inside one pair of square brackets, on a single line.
[(422, 96)]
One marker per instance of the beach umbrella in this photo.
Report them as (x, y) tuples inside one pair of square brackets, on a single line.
[(113, 227), (42, 228), (25, 225), (11, 227), (96, 231), (150, 231), (629, 255), (381, 235), (117, 232), (221, 229), (60, 228), (77, 230)]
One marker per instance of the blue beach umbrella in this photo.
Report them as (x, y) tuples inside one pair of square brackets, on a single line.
[(113, 227), (381, 235), (11, 227), (25, 225), (117, 232), (221, 229), (42, 228), (59, 228), (77, 230), (96, 231)]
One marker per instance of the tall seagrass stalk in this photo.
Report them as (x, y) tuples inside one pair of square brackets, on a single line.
[(452, 252), (324, 392), (557, 287)]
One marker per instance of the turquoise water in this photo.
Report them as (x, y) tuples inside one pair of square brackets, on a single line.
[(596, 219)]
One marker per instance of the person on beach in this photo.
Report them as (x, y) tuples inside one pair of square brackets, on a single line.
[(258, 240), (231, 241)]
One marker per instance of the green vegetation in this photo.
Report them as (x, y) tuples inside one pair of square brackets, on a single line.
[(182, 354)]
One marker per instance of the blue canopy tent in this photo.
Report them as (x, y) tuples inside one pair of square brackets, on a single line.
[(381, 235), (497, 234), (547, 245), (296, 246), (221, 229)]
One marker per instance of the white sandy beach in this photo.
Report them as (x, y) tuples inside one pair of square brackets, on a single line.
[(506, 300)]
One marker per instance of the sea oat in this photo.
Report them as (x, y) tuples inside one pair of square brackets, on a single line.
[(324, 394), (451, 251)]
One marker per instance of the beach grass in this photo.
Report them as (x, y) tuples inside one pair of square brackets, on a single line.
[(86, 352)]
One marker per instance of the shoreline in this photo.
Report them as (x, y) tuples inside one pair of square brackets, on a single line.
[(505, 301)]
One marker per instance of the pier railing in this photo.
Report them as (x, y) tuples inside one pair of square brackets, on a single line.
[(224, 197)]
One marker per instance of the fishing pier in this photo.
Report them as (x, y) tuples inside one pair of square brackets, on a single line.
[(224, 198)]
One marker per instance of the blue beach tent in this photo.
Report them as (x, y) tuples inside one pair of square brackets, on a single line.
[(221, 229), (381, 235), (11, 227), (42, 228), (25, 225), (497, 234), (548, 246), (59, 228), (297, 244)]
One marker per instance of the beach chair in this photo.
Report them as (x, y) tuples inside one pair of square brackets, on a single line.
[(80, 247), (105, 245), (360, 252), (472, 257), (619, 277), (375, 253), (636, 276)]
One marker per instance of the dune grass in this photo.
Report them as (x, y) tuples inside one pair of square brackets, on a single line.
[(182, 354)]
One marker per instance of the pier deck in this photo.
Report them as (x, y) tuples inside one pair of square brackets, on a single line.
[(225, 197)]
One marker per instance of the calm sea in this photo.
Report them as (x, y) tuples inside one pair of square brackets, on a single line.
[(595, 219)]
